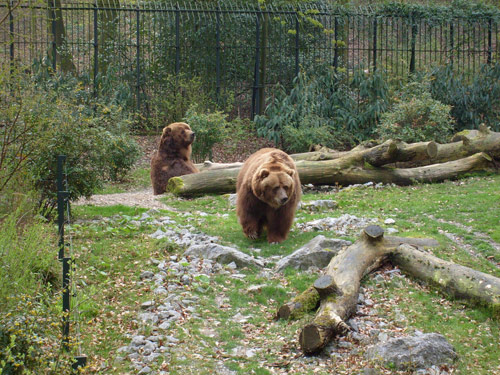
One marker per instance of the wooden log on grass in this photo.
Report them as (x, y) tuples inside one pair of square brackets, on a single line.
[(339, 287), (454, 279), (343, 171)]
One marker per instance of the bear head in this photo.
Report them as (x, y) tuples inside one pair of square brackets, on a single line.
[(176, 140), (273, 183)]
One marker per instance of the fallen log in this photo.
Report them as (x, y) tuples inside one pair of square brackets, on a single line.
[(454, 279), (346, 270), (338, 289), (343, 171)]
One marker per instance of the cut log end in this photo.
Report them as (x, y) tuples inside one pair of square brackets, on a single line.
[(312, 338), (432, 149), (175, 185), (326, 286), (374, 232)]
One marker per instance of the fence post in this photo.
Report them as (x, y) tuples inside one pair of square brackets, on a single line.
[(138, 57), (96, 49), (297, 45), (11, 36), (61, 196), (255, 91), (414, 31), (217, 54), (54, 44), (65, 302), (375, 44), (177, 40), (451, 43), (336, 49), (490, 49)]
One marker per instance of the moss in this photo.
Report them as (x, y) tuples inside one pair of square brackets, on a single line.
[(175, 185), (305, 302)]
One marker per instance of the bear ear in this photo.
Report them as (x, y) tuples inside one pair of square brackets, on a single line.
[(263, 173), (290, 172), (166, 131)]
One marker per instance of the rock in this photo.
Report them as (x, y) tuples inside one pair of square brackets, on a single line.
[(223, 255), (389, 221), (319, 205), (422, 351), (316, 253), (146, 275), (232, 199), (147, 305), (148, 317), (145, 370), (340, 225)]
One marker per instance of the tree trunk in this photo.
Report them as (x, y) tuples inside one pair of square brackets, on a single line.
[(337, 290), (456, 280), (108, 31), (346, 271), (343, 171), (62, 56)]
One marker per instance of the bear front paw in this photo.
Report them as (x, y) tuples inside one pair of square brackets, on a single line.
[(252, 235)]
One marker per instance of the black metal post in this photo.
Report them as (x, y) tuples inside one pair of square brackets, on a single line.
[(452, 46), (297, 45), (490, 49), (255, 91), (11, 36), (374, 44), (336, 49), (61, 196), (65, 301), (54, 44), (217, 55), (96, 50), (138, 58), (414, 31), (177, 41)]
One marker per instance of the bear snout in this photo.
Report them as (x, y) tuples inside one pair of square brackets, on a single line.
[(192, 136), (284, 200)]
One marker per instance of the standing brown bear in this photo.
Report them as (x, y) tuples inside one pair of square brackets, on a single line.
[(269, 191), (173, 157)]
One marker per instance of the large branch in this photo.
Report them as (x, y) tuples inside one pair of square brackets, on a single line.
[(346, 271), (343, 171), (459, 281), (337, 290)]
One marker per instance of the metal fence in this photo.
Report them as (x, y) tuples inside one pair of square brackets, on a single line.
[(237, 54)]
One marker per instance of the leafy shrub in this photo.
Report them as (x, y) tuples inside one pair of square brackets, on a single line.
[(27, 261), (330, 108), (175, 95), (56, 116), (416, 117), (474, 100), (209, 128), (30, 338)]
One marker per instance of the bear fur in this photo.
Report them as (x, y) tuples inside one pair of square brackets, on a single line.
[(268, 192), (173, 157)]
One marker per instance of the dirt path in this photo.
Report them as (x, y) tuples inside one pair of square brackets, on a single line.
[(142, 198)]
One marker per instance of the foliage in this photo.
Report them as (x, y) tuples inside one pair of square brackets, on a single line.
[(474, 100), (210, 128), (30, 338), (175, 96), (341, 108), (27, 253), (55, 115), (416, 117)]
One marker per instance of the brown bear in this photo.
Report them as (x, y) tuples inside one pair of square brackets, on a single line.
[(268, 190), (173, 157)]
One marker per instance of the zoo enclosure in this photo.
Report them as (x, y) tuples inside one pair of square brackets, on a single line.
[(237, 53)]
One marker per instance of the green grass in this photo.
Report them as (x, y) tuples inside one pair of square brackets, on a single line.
[(137, 179), (111, 253)]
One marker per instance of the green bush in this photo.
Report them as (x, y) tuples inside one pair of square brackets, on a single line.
[(416, 117), (30, 339), (54, 116), (28, 252), (210, 128), (330, 108), (474, 100)]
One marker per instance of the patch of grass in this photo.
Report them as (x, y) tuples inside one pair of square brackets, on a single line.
[(136, 179), (112, 252)]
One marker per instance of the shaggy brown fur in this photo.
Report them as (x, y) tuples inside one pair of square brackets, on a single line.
[(269, 191), (173, 157)]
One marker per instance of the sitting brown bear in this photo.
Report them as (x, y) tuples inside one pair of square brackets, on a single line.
[(269, 191), (173, 157)]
